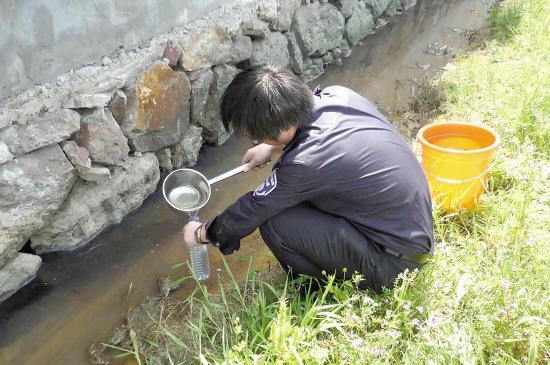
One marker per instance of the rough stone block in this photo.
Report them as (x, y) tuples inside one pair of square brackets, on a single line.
[(394, 8), (272, 50), (254, 28), (79, 101), (267, 11), (78, 156), (242, 49), (32, 188), (101, 136), (171, 54), (286, 9), (308, 30), (7, 252), (213, 130), (118, 106), (11, 116), (213, 47), (158, 110), (5, 154), (295, 54), (201, 81), (40, 131), (405, 4), (359, 25), (186, 152), (313, 67), (90, 208), (17, 273), (96, 173), (377, 7), (164, 157), (333, 24), (347, 7)]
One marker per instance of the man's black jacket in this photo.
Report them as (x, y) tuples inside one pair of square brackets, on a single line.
[(348, 161)]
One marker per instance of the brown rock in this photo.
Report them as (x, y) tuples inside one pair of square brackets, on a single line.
[(171, 54), (118, 106), (158, 111)]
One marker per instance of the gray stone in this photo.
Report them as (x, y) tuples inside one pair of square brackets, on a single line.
[(78, 156), (328, 58), (377, 7), (359, 25), (101, 136), (242, 49), (213, 130), (201, 81), (90, 208), (118, 106), (313, 67), (347, 7), (158, 108), (17, 273), (394, 8), (164, 157), (333, 25), (267, 11), (213, 47), (96, 173), (273, 50), (5, 154), (7, 252), (307, 28), (40, 131), (79, 101), (186, 152), (32, 188), (11, 116), (286, 9), (295, 54), (405, 4), (254, 28)]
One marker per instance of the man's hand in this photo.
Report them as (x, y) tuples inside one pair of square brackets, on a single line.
[(189, 234), (257, 156)]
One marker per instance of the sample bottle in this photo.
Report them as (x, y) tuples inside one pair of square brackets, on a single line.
[(200, 263)]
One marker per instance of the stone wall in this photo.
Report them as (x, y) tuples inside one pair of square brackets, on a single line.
[(41, 39), (81, 151)]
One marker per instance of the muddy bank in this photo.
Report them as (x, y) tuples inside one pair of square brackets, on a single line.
[(82, 296)]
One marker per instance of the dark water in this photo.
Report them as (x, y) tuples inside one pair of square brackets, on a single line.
[(79, 297)]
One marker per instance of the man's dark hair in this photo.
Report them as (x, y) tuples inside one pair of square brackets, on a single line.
[(263, 102)]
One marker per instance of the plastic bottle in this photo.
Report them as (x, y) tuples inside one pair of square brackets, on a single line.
[(200, 263)]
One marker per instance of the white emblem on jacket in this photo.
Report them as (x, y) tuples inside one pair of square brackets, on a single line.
[(267, 186)]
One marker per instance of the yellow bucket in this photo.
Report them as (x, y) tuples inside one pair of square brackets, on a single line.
[(456, 158)]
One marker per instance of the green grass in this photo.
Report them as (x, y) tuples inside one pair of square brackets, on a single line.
[(484, 299)]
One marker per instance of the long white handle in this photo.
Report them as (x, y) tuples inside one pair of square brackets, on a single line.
[(235, 171), (228, 174)]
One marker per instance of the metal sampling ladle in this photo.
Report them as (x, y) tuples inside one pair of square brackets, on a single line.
[(188, 190)]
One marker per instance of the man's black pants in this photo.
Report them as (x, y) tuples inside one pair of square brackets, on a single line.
[(308, 241)]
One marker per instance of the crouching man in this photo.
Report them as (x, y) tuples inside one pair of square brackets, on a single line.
[(347, 191)]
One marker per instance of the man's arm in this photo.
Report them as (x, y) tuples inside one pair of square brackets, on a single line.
[(285, 187)]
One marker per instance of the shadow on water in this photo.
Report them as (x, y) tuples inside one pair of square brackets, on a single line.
[(81, 296)]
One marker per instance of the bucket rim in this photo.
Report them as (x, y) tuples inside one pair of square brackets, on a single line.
[(186, 210), (425, 142)]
